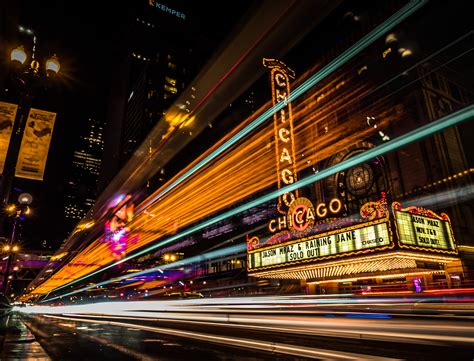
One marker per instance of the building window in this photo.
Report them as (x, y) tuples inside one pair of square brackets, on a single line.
[(170, 81), (171, 89), (171, 65)]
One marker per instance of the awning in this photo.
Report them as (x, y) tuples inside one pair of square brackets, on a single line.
[(385, 265)]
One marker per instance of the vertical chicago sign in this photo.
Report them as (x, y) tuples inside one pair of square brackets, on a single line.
[(283, 124)]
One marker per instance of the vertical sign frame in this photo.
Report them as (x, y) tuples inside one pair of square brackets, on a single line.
[(280, 75)]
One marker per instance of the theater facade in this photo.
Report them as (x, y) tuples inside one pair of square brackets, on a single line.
[(364, 227), (381, 246)]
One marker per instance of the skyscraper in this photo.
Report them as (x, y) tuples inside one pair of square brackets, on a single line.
[(81, 187), (153, 67), (162, 49)]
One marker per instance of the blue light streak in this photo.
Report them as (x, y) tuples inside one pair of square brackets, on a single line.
[(347, 55), (335, 64), (207, 256), (415, 135)]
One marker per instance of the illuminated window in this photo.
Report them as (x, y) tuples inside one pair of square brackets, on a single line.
[(171, 89), (171, 81)]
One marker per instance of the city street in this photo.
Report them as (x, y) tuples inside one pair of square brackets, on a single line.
[(248, 180), (152, 329), (71, 340)]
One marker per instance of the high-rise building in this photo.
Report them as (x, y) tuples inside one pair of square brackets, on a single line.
[(81, 187), (153, 67), (162, 49)]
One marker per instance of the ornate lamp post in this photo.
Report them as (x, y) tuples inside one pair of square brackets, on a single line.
[(31, 78)]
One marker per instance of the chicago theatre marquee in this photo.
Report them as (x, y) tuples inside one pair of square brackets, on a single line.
[(380, 245), (312, 242)]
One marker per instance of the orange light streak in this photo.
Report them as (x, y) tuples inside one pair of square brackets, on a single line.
[(244, 170)]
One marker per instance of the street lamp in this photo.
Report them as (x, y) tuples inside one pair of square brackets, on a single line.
[(52, 64), (29, 78), (18, 212), (19, 55)]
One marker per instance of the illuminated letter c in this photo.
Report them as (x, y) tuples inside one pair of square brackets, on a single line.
[(271, 226), (280, 79), (283, 134)]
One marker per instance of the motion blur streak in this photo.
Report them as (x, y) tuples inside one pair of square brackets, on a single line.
[(208, 192), (464, 114), (250, 156), (210, 255), (296, 303), (363, 43), (287, 314), (236, 64), (347, 55), (273, 347), (444, 199)]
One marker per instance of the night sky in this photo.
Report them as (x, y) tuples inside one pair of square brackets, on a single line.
[(86, 36)]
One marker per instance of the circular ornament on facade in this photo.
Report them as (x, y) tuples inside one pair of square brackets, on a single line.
[(359, 179), (301, 214)]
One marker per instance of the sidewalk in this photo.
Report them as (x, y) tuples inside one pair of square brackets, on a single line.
[(18, 343)]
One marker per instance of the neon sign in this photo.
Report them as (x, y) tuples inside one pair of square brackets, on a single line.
[(423, 229), (283, 125), (344, 242), (302, 214)]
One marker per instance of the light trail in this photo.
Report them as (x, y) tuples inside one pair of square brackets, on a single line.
[(178, 208), (181, 120), (442, 199), (239, 61), (298, 303), (210, 255), (222, 252), (347, 55), (326, 316), (261, 345), (416, 135)]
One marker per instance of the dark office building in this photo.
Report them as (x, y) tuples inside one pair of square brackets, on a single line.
[(163, 48), (81, 187), (154, 66)]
